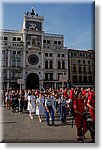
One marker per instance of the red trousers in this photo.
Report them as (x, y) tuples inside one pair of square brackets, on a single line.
[(81, 125)]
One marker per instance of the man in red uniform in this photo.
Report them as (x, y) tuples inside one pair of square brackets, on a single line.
[(71, 94), (91, 109), (65, 94), (80, 119), (84, 98)]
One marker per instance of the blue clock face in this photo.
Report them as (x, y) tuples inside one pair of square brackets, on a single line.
[(34, 25), (33, 59)]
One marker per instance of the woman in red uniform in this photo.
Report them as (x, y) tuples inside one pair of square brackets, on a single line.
[(91, 109), (80, 119)]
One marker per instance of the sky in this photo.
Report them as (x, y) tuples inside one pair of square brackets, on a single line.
[(73, 20)]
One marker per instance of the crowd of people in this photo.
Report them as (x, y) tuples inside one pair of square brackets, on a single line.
[(76, 102)]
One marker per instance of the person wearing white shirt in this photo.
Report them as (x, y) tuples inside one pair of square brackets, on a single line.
[(30, 107), (40, 110)]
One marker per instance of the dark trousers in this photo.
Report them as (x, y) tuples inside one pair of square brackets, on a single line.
[(14, 104), (51, 111), (21, 105), (62, 111)]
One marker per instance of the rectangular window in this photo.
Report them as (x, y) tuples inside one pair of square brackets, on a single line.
[(84, 69), (79, 61), (18, 38), (4, 62), (4, 74), (88, 62), (14, 52), (80, 79), (58, 55), (51, 76), (71, 53), (48, 41), (55, 42), (18, 62), (46, 54), (14, 38), (62, 55), (13, 62), (18, 52), (90, 79), (46, 76), (59, 42), (5, 38), (89, 69), (80, 70), (84, 79), (83, 61), (50, 54), (44, 41)]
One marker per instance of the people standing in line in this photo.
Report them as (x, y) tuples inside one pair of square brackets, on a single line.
[(22, 100), (37, 94), (14, 101), (33, 102), (53, 99), (49, 109), (91, 110), (80, 120), (57, 96), (7, 99), (70, 100), (62, 108), (25, 99), (40, 109), (29, 108)]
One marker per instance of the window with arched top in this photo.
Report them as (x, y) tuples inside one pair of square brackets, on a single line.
[(59, 65), (63, 64), (51, 64), (74, 69), (46, 64)]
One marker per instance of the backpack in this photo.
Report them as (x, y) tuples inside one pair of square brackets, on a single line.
[(72, 112)]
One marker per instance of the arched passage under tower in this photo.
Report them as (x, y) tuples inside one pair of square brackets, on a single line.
[(32, 81)]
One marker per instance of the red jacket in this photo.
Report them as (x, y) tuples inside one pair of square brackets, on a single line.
[(78, 105), (91, 101)]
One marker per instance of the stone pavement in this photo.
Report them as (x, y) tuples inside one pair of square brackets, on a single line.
[(19, 128)]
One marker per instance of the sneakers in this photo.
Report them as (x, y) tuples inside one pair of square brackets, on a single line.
[(31, 117), (48, 124), (53, 124), (50, 118), (40, 120)]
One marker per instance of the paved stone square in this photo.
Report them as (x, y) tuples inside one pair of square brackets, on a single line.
[(19, 128)]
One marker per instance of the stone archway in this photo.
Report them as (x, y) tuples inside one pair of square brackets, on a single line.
[(32, 81)]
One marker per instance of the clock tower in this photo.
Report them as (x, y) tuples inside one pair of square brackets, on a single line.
[(32, 30)]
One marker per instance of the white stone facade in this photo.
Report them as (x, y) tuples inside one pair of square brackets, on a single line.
[(33, 55)]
